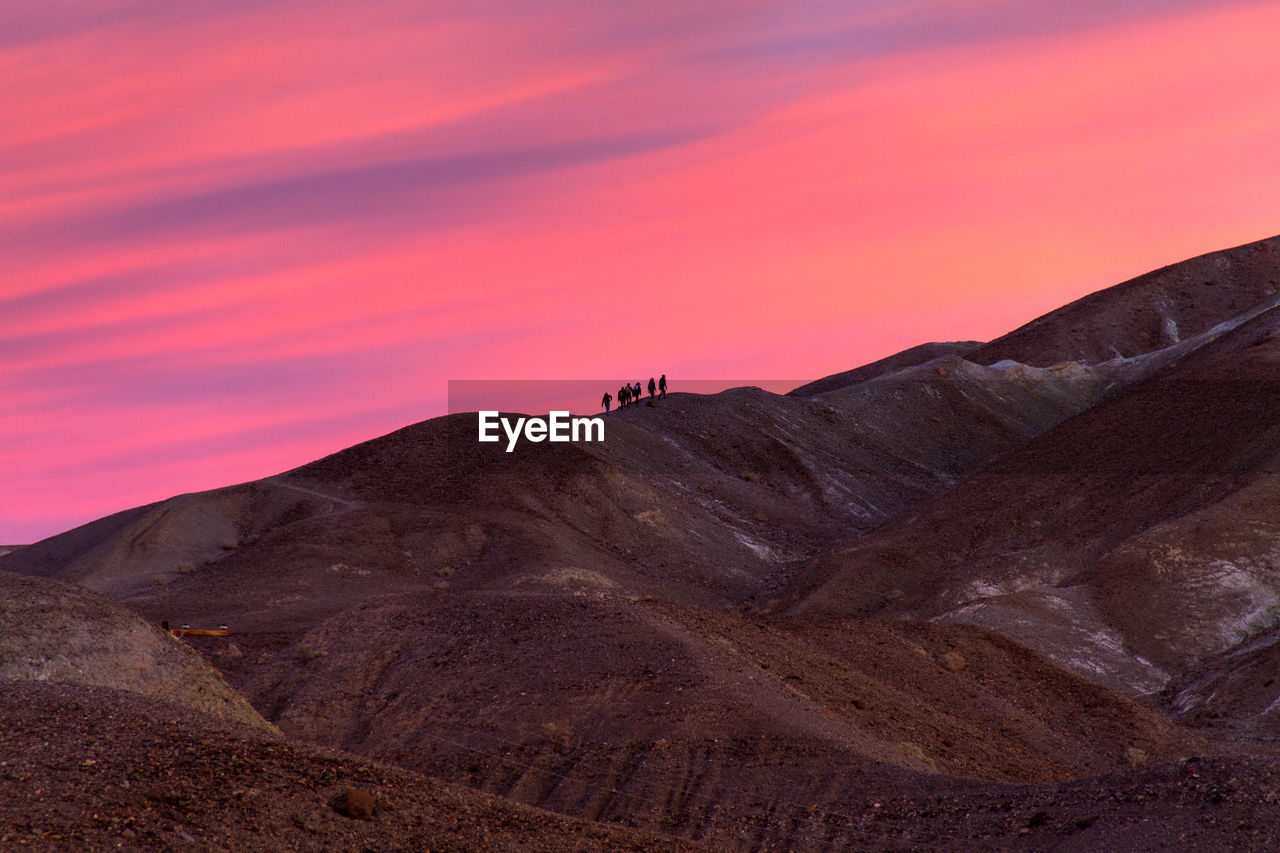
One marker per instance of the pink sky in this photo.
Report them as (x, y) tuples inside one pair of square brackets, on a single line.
[(238, 236)]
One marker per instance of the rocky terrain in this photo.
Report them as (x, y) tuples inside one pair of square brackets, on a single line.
[(1129, 542), (974, 596), (53, 631), (1147, 314), (94, 769)]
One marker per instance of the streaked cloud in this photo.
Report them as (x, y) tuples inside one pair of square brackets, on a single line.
[(236, 234)]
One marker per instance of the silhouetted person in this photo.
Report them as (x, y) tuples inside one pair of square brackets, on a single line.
[(662, 385), (653, 388), (624, 396), (636, 395), (605, 401)]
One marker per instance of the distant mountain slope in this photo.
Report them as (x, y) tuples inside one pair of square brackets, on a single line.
[(912, 357), (1147, 313), (1129, 541)]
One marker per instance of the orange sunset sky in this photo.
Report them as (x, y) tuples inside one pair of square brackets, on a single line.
[(237, 236)]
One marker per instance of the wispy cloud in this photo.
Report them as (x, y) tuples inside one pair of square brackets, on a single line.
[(388, 198), (222, 225)]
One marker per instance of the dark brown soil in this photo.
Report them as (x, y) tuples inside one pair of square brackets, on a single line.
[(91, 768), (96, 769)]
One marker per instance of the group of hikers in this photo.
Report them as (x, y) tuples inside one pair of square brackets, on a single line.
[(630, 394)]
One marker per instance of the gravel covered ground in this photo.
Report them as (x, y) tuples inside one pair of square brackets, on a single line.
[(88, 768)]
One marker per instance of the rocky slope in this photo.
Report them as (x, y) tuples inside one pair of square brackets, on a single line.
[(913, 357), (1128, 542), (638, 686), (1148, 313), (703, 500), (97, 769), (53, 631)]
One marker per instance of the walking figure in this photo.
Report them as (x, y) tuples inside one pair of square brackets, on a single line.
[(662, 386), (624, 396), (605, 401), (636, 395)]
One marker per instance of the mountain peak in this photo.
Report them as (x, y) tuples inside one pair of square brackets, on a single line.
[(1147, 313)]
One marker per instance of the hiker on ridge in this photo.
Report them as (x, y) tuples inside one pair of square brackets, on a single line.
[(605, 401), (653, 388), (624, 396), (662, 386), (635, 395)]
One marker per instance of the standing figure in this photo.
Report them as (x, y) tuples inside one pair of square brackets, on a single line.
[(636, 395), (653, 388), (605, 401), (662, 386), (624, 393)]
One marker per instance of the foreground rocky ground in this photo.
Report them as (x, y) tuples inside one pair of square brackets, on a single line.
[(89, 768)]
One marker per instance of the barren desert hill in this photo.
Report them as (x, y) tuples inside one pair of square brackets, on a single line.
[(54, 631), (1143, 528), (568, 702), (1231, 694), (705, 500), (1147, 313), (526, 624), (731, 729), (93, 768), (912, 357), (90, 768), (439, 674), (550, 625)]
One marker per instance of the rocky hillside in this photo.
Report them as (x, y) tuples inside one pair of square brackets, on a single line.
[(702, 500), (56, 632), (1148, 313), (98, 769), (1129, 542)]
